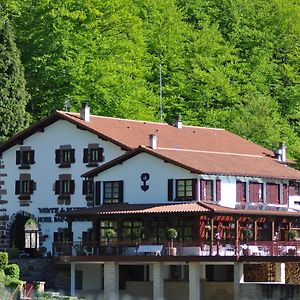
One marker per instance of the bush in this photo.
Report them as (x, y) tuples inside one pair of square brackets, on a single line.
[(110, 233), (3, 260), (172, 233), (13, 271)]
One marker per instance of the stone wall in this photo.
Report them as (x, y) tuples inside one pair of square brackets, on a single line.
[(56, 276)]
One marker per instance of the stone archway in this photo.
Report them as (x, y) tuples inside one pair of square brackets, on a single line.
[(15, 229)]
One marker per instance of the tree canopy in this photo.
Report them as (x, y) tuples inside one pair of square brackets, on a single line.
[(231, 63)]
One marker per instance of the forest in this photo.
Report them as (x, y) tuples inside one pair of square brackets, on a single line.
[(232, 63)]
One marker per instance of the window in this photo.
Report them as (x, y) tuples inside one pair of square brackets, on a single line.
[(65, 156), (184, 189), (64, 188), (107, 225), (92, 191), (24, 187), (132, 230), (255, 192), (93, 155), (273, 193), (207, 190), (240, 192), (294, 188), (113, 191), (25, 157)]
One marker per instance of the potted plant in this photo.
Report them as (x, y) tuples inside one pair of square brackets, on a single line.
[(109, 233), (292, 234), (247, 235), (172, 234)]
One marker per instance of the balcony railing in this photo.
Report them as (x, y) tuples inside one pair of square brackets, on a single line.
[(196, 248)]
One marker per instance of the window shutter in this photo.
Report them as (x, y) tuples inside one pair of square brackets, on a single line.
[(57, 156), (32, 157), (55, 236), (121, 191), (218, 190), (31, 186), (100, 154), (84, 187), (98, 193), (194, 188), (285, 194), (238, 191), (85, 155), (72, 186), (202, 189), (170, 190), (72, 156), (18, 157), (57, 187), (17, 187)]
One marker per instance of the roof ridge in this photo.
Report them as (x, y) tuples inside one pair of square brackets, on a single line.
[(142, 121)]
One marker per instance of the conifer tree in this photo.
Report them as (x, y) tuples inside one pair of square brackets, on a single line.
[(13, 95)]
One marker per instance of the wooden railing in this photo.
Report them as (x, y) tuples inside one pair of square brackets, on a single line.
[(191, 248)]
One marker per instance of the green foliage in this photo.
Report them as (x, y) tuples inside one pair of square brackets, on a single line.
[(247, 234), (172, 233), (13, 95), (292, 234), (110, 233), (12, 270), (231, 64), (3, 260)]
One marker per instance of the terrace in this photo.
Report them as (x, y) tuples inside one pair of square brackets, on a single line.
[(204, 231)]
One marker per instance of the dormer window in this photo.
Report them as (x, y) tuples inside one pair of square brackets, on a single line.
[(25, 157), (65, 156), (93, 155)]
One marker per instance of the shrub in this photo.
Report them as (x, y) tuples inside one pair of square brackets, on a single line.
[(3, 260), (292, 234), (172, 233), (110, 233), (13, 271)]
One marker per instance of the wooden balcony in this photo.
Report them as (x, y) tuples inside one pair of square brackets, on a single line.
[(255, 250)]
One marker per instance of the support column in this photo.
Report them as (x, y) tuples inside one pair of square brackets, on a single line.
[(238, 279), (72, 291), (280, 273), (194, 281), (111, 281), (158, 281), (202, 272)]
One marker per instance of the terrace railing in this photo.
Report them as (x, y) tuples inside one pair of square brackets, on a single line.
[(192, 248)]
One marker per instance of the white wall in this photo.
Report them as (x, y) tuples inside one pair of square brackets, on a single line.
[(45, 171)]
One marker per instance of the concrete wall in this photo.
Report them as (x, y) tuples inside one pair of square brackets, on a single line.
[(254, 291)]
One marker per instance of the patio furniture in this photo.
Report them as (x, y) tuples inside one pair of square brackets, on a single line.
[(150, 249)]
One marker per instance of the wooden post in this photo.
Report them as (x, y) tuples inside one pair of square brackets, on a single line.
[(272, 229), (255, 231), (237, 238), (211, 236)]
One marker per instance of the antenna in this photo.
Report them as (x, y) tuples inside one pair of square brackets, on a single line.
[(160, 93), (67, 104)]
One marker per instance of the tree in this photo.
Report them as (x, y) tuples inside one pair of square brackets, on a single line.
[(13, 94)]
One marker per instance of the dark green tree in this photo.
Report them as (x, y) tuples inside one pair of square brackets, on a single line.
[(13, 95)]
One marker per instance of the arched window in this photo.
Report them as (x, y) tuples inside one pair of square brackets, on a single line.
[(31, 234)]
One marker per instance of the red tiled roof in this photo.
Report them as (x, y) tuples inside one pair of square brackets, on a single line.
[(174, 208), (125, 209), (201, 150)]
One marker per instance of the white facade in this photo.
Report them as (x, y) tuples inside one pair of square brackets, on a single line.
[(45, 172)]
